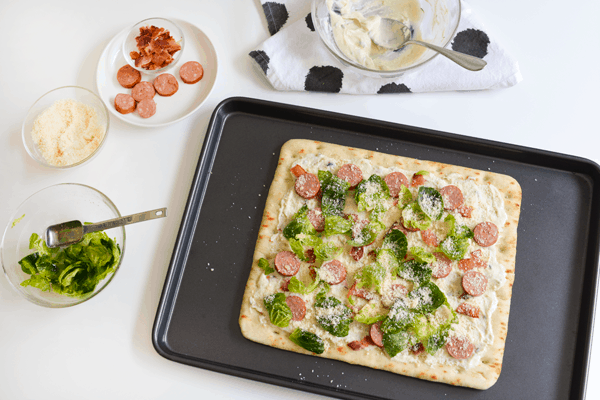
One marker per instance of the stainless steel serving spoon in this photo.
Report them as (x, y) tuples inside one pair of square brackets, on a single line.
[(72, 232), (393, 34)]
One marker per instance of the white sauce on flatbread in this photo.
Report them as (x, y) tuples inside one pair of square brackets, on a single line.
[(488, 205)]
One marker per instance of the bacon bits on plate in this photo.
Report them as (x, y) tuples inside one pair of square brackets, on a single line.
[(156, 48)]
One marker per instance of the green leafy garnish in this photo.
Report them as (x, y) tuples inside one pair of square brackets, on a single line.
[(371, 276), (337, 321), (367, 234), (421, 255), (300, 224), (404, 197), (326, 251), (335, 225), (454, 248), (297, 286), (414, 217), (308, 340), (415, 271), (17, 220), (334, 193), (263, 263), (387, 259), (73, 271), (430, 201), (436, 340), (397, 242), (368, 315), (458, 231), (398, 318), (429, 298), (422, 172), (280, 313), (370, 195), (394, 343)]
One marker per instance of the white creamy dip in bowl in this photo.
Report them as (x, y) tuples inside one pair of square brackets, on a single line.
[(343, 26)]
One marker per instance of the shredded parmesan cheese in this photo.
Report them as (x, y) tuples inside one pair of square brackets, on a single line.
[(67, 132)]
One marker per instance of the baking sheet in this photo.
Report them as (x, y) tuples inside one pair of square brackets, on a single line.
[(554, 295)]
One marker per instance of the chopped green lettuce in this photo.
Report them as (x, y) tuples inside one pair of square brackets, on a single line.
[(280, 313), (73, 271), (308, 340), (334, 193), (263, 263)]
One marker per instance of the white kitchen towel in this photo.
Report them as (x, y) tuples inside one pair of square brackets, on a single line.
[(294, 58)]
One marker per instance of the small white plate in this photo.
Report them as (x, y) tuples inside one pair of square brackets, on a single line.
[(171, 109)]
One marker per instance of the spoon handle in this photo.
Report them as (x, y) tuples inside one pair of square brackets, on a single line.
[(464, 60), (129, 219)]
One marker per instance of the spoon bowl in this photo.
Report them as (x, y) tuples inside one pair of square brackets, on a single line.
[(393, 35)]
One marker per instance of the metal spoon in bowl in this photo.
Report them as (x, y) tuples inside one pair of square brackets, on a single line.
[(72, 232), (393, 34)]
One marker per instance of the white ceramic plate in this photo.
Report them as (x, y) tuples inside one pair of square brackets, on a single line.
[(182, 104)]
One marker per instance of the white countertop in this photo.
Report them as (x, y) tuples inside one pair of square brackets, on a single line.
[(103, 349)]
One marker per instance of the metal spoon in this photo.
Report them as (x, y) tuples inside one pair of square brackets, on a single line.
[(72, 232), (393, 34)]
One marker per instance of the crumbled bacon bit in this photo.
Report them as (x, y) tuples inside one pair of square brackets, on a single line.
[(465, 211), (361, 344), (362, 293), (417, 180), (156, 48), (357, 253), (417, 349), (284, 285), (310, 256)]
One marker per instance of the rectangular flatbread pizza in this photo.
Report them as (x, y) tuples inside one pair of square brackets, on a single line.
[(384, 261)]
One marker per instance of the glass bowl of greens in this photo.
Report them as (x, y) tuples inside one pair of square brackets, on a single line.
[(61, 277)]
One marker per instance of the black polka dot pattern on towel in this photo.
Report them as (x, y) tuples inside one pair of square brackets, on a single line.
[(261, 58), (276, 14), (472, 42), (309, 22), (324, 79), (394, 88)]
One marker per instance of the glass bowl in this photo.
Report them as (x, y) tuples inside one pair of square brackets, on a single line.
[(130, 44), (52, 205), (437, 25), (76, 93)]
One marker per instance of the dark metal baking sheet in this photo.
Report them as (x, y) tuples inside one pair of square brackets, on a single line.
[(551, 317)]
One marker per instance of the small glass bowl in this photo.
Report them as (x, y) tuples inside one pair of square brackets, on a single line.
[(438, 26), (77, 93), (52, 205), (129, 44)]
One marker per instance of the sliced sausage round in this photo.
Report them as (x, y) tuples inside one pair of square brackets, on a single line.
[(452, 197), (298, 307), (357, 253), (317, 219), (376, 334), (165, 85), (333, 272), (460, 348), (441, 267), (307, 186), (395, 180), (469, 310), (286, 263), (485, 234), (124, 103), (128, 76), (191, 72), (468, 264), (143, 90), (429, 238), (474, 283), (146, 108), (351, 174)]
